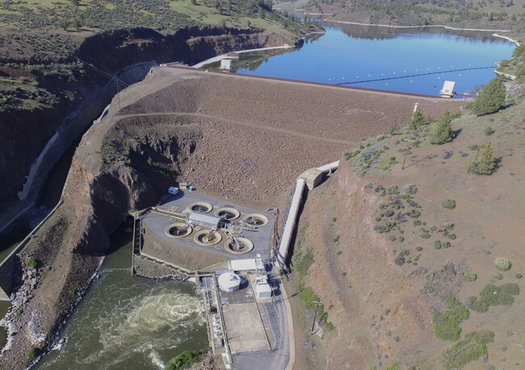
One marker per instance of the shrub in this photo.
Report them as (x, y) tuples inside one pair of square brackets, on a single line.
[(473, 347), (502, 264), (446, 325), (309, 297), (493, 295), (491, 98), (470, 276), (32, 352), (303, 264), (419, 249), (416, 121), (73, 289), (410, 189), (484, 162), (182, 360), (449, 203), (488, 130), (442, 131), (32, 262), (519, 276)]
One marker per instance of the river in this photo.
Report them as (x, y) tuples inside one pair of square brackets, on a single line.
[(405, 60), (128, 322)]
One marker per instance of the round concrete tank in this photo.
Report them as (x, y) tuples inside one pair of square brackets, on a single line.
[(229, 282), (207, 237), (203, 207), (228, 213), (239, 245), (255, 219), (178, 230)]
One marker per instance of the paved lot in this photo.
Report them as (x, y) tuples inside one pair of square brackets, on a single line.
[(244, 328)]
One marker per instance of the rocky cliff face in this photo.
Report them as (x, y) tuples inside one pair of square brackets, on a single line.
[(24, 133)]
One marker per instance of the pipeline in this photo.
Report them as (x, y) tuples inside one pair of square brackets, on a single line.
[(293, 212)]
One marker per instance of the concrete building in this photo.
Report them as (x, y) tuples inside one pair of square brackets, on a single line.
[(196, 218), (448, 89)]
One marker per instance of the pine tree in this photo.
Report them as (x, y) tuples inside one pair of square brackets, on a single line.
[(417, 120), (491, 98), (443, 130), (484, 162)]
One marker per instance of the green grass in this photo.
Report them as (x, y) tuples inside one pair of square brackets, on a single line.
[(471, 348), (446, 325), (492, 295)]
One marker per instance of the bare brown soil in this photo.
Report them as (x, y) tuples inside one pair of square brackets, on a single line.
[(259, 134)]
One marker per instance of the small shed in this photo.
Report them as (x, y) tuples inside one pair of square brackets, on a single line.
[(448, 89), (226, 64), (197, 218)]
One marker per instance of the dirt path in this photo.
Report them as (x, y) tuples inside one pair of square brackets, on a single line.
[(245, 124)]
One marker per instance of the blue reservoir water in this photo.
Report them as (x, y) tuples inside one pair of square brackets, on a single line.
[(415, 61)]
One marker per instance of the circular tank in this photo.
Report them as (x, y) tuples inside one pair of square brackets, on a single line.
[(178, 230), (203, 207), (229, 282), (207, 237), (228, 213), (239, 245), (255, 219)]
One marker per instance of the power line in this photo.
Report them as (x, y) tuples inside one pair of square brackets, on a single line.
[(92, 67), (412, 75)]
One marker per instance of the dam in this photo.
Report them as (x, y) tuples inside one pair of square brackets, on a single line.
[(240, 140)]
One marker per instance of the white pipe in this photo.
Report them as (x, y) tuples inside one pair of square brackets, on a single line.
[(291, 221), (330, 167)]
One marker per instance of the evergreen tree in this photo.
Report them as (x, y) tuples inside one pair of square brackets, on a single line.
[(484, 162), (443, 130), (417, 120), (491, 98)]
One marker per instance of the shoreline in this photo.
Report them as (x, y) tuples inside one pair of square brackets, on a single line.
[(423, 26), (222, 56)]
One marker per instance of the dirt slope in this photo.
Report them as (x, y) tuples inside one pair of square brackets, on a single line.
[(382, 307)]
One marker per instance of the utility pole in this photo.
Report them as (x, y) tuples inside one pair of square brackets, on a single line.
[(317, 304)]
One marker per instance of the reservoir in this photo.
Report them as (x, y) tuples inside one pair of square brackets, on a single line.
[(405, 60)]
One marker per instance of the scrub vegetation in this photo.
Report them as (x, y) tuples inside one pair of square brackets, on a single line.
[(302, 260), (471, 348), (39, 39), (425, 12), (446, 325), (183, 360)]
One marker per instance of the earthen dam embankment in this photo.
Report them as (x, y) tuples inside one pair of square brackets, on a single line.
[(236, 137)]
